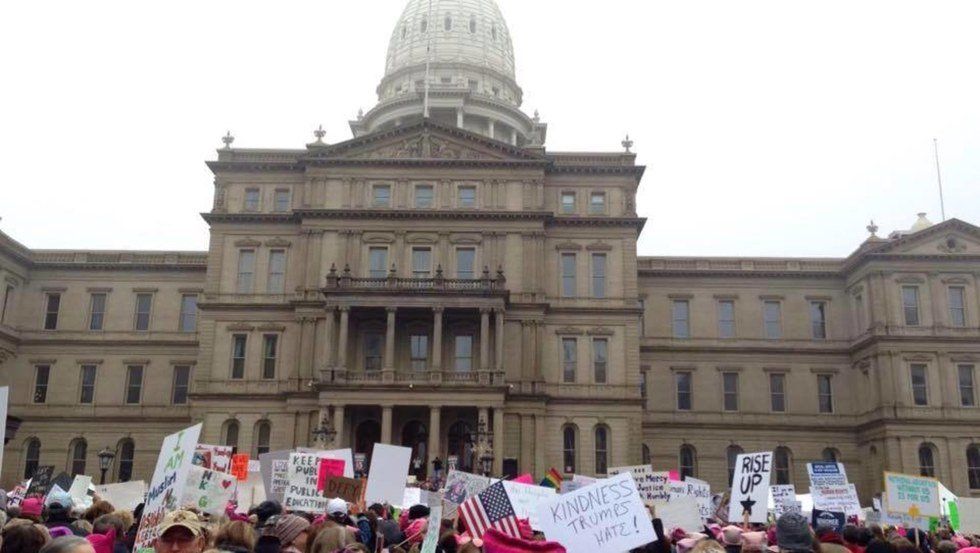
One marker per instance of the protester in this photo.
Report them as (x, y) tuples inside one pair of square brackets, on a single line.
[(180, 532), (68, 544), (24, 538), (292, 533), (235, 537), (793, 534)]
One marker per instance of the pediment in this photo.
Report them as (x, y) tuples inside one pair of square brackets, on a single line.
[(953, 237)]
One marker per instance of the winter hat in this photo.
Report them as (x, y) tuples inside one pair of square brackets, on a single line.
[(103, 543), (731, 535), (288, 527), (59, 531), (715, 530), (415, 529), (265, 510), (697, 536), (417, 511), (495, 541), (793, 532), (336, 506), (961, 542), (31, 507)]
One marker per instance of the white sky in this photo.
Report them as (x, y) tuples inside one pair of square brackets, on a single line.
[(768, 127)]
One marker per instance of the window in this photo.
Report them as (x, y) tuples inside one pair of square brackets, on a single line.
[(920, 386), (182, 380), (474, 85), (448, 23), (270, 352), (276, 283), (472, 24), (381, 195), (79, 450), (910, 305), (818, 320), (372, 351), (188, 312), (263, 432), (772, 314), (967, 397), (598, 275), (8, 298), (282, 200), (238, 343), (597, 203), (601, 450), (251, 199), (42, 374), (568, 275), (782, 466), (927, 460), (568, 202), (378, 261), (87, 384), (645, 454), (688, 462), (825, 393), (957, 306), (600, 356), (52, 305), (730, 389), (777, 392), (421, 262), (423, 196), (231, 433), (684, 390), (463, 353), (420, 352), (467, 196), (569, 358), (731, 455), (465, 262), (830, 455), (134, 384), (144, 303), (32, 457), (127, 452), (246, 271), (568, 449), (96, 318), (726, 319), (680, 313), (973, 466)]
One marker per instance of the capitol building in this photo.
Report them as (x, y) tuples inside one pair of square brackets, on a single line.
[(444, 281)]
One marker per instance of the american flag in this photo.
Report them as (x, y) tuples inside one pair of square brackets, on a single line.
[(490, 509)]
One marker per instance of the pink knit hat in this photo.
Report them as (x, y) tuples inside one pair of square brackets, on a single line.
[(754, 538), (102, 543), (495, 541), (715, 530), (686, 545), (677, 534), (31, 507)]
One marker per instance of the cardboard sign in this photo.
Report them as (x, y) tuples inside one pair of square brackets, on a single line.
[(826, 473), (917, 496), (525, 499), (301, 491), (41, 482), (386, 479), (697, 489), (784, 499), (124, 496), (605, 517), (461, 485), (239, 466), (828, 519), (56, 491), (653, 486), (838, 499), (4, 397), (348, 489), (213, 457), (167, 485), (680, 512), (432, 530), (79, 491), (274, 467), (750, 487), (209, 491), (328, 467)]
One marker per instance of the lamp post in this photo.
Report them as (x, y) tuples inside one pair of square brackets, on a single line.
[(105, 461), (481, 440), (325, 432)]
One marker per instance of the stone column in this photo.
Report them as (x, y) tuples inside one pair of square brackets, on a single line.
[(539, 441), (338, 425), (484, 339), (342, 339), (435, 435), (459, 118), (498, 340), (490, 128), (389, 360), (386, 424), (329, 343), (307, 336), (498, 440), (437, 338)]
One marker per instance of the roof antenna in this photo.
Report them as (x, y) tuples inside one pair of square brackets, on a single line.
[(428, 55), (939, 178)]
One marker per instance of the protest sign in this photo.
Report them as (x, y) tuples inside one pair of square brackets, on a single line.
[(700, 491), (250, 492), (432, 531), (40, 482), (125, 496), (605, 517), (347, 456), (328, 467), (680, 512), (461, 485), (360, 463), (79, 491), (917, 496), (55, 492), (525, 499), (839, 499), (783, 499), (301, 491), (167, 484), (826, 473), (213, 457), (386, 478), (452, 462), (4, 395), (653, 486), (348, 489), (828, 519), (275, 473), (63, 481), (209, 491), (969, 511), (239, 466), (577, 481), (750, 487)]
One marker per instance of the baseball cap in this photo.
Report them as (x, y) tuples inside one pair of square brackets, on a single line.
[(336, 505), (184, 519)]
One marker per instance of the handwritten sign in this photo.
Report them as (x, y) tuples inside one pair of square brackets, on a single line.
[(348, 489), (917, 496), (969, 514), (784, 499), (239, 466), (525, 499), (213, 457), (432, 531), (461, 485), (328, 467), (209, 491), (605, 517), (750, 487), (699, 490), (838, 499), (41, 482), (275, 473), (124, 495), (301, 491), (653, 486), (681, 512), (79, 491)]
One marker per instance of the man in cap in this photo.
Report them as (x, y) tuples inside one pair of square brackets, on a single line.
[(181, 532)]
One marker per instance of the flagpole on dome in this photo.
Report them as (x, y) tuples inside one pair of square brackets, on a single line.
[(428, 56)]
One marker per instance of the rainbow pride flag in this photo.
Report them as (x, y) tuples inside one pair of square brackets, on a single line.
[(552, 479)]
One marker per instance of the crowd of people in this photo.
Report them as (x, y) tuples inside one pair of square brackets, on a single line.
[(54, 526)]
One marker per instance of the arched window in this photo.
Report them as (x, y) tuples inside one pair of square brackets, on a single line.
[(973, 465), (782, 464), (263, 432), (448, 23), (231, 434), (32, 457), (731, 455), (830, 455), (78, 452), (688, 461), (927, 460), (125, 453), (472, 24), (645, 454), (568, 448), (601, 450)]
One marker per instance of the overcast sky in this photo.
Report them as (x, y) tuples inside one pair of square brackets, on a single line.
[(767, 127)]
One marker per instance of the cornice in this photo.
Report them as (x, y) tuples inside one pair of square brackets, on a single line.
[(420, 214), (250, 217)]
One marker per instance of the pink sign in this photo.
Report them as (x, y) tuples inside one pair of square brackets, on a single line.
[(328, 468), (525, 478)]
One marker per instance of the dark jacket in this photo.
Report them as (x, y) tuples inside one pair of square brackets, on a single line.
[(391, 532)]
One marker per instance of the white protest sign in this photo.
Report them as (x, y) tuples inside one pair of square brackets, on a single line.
[(124, 496), (969, 508), (301, 493), (577, 481), (750, 487), (680, 512), (525, 498), (386, 477), (605, 517), (250, 493), (4, 396), (784, 499), (55, 493), (653, 486), (917, 496), (79, 491), (208, 490), (697, 489), (432, 530), (839, 499), (275, 473), (167, 485), (826, 473), (461, 485), (213, 457)]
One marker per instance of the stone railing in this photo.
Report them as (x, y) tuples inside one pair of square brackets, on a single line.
[(345, 281), (411, 377)]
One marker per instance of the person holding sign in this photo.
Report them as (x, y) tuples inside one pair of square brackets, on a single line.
[(750, 488)]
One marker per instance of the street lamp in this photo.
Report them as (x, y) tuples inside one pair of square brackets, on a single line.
[(105, 461), (481, 441), (325, 432)]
